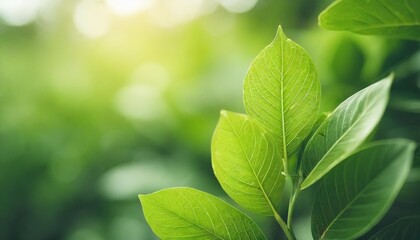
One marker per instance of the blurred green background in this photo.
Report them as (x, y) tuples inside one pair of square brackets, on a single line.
[(102, 100)]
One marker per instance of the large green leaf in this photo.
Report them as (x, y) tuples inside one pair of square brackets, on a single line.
[(356, 194), (392, 18), (405, 228), (186, 213), (246, 162), (344, 130), (282, 91)]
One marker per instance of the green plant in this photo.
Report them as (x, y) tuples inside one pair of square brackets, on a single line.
[(390, 18), (283, 142)]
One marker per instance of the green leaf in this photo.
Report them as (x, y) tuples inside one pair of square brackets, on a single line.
[(355, 195), (408, 101), (282, 91), (406, 228), (391, 18), (186, 213), (344, 130), (247, 164)]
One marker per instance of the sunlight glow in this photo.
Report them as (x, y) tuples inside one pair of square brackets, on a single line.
[(127, 180), (140, 102), (143, 98), (91, 18), (238, 6), (19, 12), (128, 7), (170, 13)]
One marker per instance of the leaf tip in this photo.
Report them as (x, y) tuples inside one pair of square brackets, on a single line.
[(390, 78), (279, 29), (411, 145), (387, 81), (223, 113), (280, 34)]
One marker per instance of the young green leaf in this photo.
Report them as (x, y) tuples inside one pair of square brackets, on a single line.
[(344, 130), (186, 213), (356, 194), (405, 228), (246, 162), (391, 18), (282, 91)]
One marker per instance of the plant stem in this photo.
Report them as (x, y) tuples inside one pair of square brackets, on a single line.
[(295, 180), (292, 202), (286, 230)]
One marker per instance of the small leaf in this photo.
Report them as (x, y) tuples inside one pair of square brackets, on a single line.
[(391, 18), (247, 164), (282, 91), (344, 130), (406, 228), (186, 213), (356, 194)]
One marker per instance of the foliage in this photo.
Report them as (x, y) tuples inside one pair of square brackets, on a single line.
[(242, 143), (405, 228), (398, 19), (344, 130), (188, 213), (105, 99), (355, 195), (281, 97)]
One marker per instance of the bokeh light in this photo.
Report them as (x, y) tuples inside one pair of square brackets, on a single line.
[(238, 6), (19, 12), (128, 7), (91, 18)]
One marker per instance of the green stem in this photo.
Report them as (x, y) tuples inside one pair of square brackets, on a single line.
[(292, 202), (295, 180), (286, 230)]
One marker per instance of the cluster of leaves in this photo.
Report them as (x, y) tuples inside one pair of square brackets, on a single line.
[(283, 142)]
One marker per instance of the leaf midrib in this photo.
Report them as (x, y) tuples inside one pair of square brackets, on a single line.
[(338, 140), (252, 169), (286, 170), (188, 220)]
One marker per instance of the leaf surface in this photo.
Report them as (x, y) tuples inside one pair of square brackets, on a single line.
[(356, 194), (391, 18), (282, 91), (186, 213), (405, 228), (246, 162), (344, 130)]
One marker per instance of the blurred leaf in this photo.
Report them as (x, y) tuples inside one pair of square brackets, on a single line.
[(416, 161), (355, 195), (344, 130), (400, 54), (347, 61), (247, 164), (405, 94), (405, 228), (282, 91), (406, 101), (397, 19), (186, 213)]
